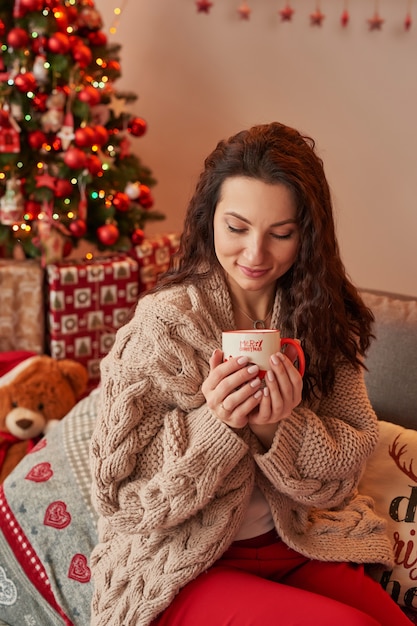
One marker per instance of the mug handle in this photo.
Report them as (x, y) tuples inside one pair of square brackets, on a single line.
[(300, 354)]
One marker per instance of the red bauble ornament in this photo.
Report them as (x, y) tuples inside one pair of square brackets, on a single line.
[(75, 41), (114, 66), (97, 38), (89, 18), (25, 82), (84, 137), (146, 203), (31, 5), (39, 101), (90, 95), (18, 38), (137, 126), (75, 158), (2, 28), (137, 237), (56, 144), (36, 139), (121, 201), (63, 188), (39, 44), (78, 228), (61, 19), (32, 209), (101, 135), (145, 197), (82, 55), (94, 165), (108, 234), (59, 43), (72, 12)]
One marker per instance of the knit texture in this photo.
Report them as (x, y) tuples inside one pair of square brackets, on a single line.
[(171, 483)]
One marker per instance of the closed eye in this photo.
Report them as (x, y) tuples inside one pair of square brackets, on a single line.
[(236, 230), (276, 236)]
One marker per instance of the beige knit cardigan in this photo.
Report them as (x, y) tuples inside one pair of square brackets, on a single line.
[(172, 483)]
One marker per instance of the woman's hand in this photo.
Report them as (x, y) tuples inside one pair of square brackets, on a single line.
[(281, 394), (232, 389)]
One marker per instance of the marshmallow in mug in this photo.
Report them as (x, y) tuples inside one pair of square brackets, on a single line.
[(258, 345)]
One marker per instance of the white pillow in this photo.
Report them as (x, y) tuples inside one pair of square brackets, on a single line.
[(390, 478)]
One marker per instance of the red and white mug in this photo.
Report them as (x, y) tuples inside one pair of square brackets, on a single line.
[(259, 345)]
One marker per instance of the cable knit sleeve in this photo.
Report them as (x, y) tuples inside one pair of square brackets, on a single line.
[(317, 458), (158, 454)]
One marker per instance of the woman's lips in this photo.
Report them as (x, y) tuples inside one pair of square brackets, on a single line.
[(251, 273)]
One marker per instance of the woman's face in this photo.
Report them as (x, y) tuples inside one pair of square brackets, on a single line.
[(256, 236)]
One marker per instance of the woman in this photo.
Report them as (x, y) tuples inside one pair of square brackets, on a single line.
[(223, 501)]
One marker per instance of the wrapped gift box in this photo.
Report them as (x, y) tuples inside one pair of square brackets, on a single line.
[(154, 256), (87, 302), (22, 312)]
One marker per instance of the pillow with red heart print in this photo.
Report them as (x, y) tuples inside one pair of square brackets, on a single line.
[(48, 528), (390, 478)]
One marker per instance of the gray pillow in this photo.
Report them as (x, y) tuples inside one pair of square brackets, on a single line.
[(392, 360)]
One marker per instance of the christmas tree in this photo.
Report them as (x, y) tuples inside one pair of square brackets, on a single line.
[(67, 172)]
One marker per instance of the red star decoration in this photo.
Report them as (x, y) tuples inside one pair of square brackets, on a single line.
[(244, 11), (375, 23), (286, 13), (204, 6), (345, 17), (45, 180), (316, 18)]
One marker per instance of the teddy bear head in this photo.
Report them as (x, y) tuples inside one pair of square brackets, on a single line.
[(39, 395)]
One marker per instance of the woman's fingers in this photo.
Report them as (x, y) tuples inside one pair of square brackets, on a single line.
[(282, 392), (230, 387)]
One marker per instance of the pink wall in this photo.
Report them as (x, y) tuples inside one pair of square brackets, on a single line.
[(202, 77)]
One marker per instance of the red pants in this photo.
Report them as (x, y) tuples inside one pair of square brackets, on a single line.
[(254, 584)]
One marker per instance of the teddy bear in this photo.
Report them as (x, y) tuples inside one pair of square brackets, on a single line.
[(34, 396)]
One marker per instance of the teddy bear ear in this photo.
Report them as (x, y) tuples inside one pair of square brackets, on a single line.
[(76, 374)]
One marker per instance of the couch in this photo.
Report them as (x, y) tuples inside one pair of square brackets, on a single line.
[(48, 525)]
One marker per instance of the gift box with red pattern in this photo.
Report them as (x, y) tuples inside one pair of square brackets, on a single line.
[(154, 256), (87, 302)]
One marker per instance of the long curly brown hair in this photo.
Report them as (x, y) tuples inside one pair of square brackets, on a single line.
[(320, 303)]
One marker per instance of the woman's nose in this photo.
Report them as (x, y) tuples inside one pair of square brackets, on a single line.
[(255, 250)]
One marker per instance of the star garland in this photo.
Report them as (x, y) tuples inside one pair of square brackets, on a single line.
[(316, 17), (204, 6), (286, 13), (244, 11), (376, 21)]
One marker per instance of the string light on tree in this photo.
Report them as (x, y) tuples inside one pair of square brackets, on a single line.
[(117, 15), (64, 133)]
